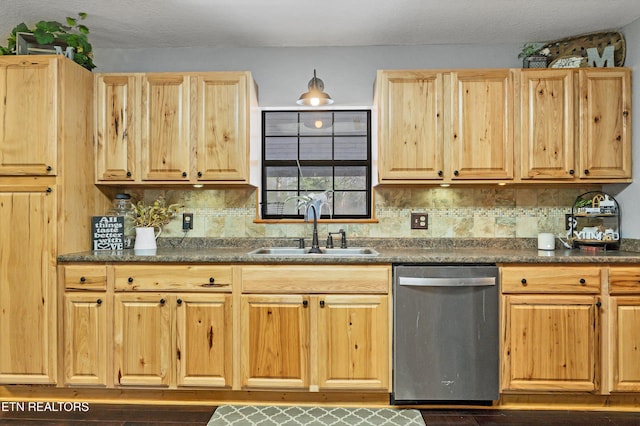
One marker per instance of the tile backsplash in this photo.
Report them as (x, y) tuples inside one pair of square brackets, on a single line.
[(454, 212)]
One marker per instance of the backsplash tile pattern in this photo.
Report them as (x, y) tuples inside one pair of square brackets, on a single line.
[(467, 212)]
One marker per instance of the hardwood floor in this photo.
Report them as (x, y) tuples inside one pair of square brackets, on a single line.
[(147, 415)]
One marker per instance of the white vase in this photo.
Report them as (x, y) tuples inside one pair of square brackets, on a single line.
[(146, 240)]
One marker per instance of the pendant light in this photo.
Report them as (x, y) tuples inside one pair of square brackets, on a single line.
[(316, 95)]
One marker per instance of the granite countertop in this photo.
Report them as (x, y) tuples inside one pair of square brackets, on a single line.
[(391, 251)]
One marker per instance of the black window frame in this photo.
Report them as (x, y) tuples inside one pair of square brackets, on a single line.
[(367, 163)]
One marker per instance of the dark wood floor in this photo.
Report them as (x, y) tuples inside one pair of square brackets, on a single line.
[(136, 415)]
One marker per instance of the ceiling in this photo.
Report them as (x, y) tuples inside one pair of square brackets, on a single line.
[(288, 23)]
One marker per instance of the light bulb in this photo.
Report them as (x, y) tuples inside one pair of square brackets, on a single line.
[(318, 124), (315, 101)]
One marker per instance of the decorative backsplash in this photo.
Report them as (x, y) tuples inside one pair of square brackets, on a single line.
[(454, 212)]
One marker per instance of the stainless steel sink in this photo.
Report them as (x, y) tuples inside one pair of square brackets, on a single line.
[(292, 251)]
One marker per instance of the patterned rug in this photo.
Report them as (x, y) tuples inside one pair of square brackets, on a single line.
[(250, 415)]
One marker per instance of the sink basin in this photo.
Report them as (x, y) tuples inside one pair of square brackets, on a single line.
[(292, 251)]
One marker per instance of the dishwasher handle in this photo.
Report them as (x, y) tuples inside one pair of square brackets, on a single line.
[(447, 282)]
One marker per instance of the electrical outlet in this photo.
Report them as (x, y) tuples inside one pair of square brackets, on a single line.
[(187, 221), (419, 220)]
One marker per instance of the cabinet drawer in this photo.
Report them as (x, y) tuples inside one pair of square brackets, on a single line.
[(624, 280), (85, 277), (173, 277), (551, 279), (316, 279)]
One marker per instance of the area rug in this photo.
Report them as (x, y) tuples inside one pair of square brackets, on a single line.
[(251, 415)]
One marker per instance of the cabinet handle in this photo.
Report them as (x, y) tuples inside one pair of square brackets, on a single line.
[(179, 301), (456, 173), (184, 174), (130, 280), (440, 173), (572, 172), (583, 281), (128, 174), (322, 303), (99, 302), (625, 113), (49, 168), (49, 190), (199, 174), (523, 281), (305, 303), (83, 279), (162, 302), (586, 171), (598, 303), (211, 280)]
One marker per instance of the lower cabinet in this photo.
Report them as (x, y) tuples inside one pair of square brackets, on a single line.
[(550, 328), (312, 334), (624, 288)]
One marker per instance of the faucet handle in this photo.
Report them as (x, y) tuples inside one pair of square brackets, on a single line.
[(343, 238), (300, 242), (330, 241)]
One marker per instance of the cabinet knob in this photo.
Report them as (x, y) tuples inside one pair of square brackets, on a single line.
[(523, 281), (305, 303), (49, 190), (456, 173), (83, 279), (583, 281), (130, 280), (212, 280), (598, 303), (440, 173), (184, 174), (199, 174), (49, 168), (572, 172), (322, 303), (179, 301), (162, 301), (586, 171), (128, 174), (625, 113), (99, 302)]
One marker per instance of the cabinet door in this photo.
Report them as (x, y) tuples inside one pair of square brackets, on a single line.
[(142, 340), (85, 339), (547, 124), (204, 340), (275, 341), (550, 343), (410, 110), (482, 130), (27, 287), (625, 362), (605, 124), (28, 116), (116, 128), (353, 342), (166, 146), (223, 133)]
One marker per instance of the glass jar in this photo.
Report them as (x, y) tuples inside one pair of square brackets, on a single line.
[(121, 206)]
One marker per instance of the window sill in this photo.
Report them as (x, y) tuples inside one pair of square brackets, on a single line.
[(279, 221)]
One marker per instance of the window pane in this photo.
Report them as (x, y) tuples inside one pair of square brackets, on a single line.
[(350, 203), (281, 202), (280, 123), (350, 147), (281, 148), (316, 123), (350, 123), (317, 179), (351, 177), (318, 148), (279, 178)]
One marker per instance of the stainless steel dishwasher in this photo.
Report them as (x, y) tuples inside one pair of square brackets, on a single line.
[(445, 334)]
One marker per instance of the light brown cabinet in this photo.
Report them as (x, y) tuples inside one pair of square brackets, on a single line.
[(315, 328), (624, 288), (575, 124), (179, 127), (550, 328), (46, 200), (172, 326)]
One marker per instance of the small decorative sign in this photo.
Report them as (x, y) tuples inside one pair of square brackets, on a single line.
[(107, 232)]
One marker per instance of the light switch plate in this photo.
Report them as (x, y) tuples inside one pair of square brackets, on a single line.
[(419, 221)]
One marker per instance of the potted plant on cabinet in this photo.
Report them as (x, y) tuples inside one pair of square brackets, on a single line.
[(48, 33), (149, 217)]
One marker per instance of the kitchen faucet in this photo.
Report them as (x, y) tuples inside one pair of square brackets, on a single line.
[(315, 245), (343, 239)]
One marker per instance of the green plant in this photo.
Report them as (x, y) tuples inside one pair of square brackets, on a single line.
[(531, 49), (73, 34), (153, 215)]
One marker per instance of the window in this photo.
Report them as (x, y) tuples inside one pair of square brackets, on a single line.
[(306, 152)]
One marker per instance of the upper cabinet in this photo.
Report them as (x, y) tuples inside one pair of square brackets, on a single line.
[(173, 127), (28, 115), (575, 124), (504, 125)]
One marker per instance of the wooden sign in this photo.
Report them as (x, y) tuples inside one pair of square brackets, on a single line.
[(107, 232)]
